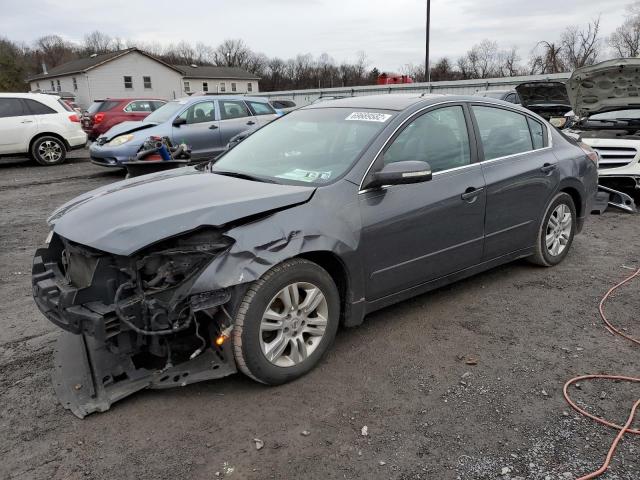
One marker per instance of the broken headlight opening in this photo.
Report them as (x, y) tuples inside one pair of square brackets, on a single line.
[(131, 322)]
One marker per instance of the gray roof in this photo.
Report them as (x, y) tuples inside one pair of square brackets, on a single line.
[(215, 72), (81, 65)]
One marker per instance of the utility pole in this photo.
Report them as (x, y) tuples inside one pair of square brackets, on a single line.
[(426, 53)]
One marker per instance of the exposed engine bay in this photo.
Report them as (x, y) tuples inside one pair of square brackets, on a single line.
[(131, 319)]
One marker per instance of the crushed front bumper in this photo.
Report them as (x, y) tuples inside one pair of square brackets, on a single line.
[(90, 374), (88, 378)]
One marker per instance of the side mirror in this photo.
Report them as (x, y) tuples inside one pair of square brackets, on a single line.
[(179, 121), (400, 173)]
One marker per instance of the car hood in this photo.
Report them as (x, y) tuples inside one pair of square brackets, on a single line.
[(126, 127), (125, 217), (607, 86), (542, 94)]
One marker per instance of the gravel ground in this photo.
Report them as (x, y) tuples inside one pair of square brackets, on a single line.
[(403, 374)]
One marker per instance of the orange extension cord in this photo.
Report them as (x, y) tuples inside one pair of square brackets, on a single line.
[(627, 426)]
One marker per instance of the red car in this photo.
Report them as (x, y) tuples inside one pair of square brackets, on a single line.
[(104, 114)]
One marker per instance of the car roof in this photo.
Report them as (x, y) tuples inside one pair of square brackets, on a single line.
[(194, 98), (401, 101), (132, 99), (29, 95)]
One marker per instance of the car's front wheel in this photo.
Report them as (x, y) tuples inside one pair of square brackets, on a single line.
[(49, 150), (556, 232), (286, 322)]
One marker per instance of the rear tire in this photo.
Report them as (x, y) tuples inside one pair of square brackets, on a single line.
[(48, 150), (286, 322), (556, 232)]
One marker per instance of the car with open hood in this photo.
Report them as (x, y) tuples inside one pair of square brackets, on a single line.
[(548, 99), (204, 123), (607, 117), (333, 211)]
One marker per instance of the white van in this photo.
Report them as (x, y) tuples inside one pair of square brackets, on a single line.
[(38, 125)]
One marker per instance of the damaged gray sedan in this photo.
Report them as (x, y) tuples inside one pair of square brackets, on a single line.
[(338, 209)]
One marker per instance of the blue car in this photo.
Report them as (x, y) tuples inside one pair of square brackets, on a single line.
[(204, 123)]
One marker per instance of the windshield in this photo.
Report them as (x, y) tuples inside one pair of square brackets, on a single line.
[(313, 146), (165, 112)]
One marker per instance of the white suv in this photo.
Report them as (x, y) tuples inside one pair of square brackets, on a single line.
[(39, 125)]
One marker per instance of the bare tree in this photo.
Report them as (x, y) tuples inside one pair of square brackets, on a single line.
[(581, 47), (546, 58), (97, 42), (625, 41), (508, 63), (52, 50), (232, 53)]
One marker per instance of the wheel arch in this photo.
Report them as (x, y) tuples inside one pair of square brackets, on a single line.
[(49, 134), (337, 269), (576, 194)]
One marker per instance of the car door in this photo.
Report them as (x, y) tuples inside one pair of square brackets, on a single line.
[(521, 173), (416, 233), (201, 130), (17, 126), (235, 118)]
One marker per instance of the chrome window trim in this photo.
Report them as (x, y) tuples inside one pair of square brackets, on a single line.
[(470, 104)]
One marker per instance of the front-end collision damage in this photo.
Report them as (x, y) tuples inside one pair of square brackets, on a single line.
[(132, 322), (159, 317)]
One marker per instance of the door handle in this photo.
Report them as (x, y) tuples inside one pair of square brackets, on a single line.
[(471, 193), (26, 121), (213, 127), (548, 168), (251, 122)]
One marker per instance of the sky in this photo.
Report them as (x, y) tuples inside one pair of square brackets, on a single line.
[(390, 32)]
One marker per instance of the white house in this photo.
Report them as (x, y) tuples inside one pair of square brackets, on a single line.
[(133, 73)]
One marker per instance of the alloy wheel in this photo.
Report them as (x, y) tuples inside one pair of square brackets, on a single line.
[(50, 151), (558, 230), (293, 324)]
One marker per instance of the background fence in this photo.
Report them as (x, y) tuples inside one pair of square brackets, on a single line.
[(459, 87)]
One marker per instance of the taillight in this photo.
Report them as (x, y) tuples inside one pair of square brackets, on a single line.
[(590, 152), (74, 118), (98, 117)]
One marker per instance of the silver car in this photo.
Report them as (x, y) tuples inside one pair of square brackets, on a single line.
[(203, 123)]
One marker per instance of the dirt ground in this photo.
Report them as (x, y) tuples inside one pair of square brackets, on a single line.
[(402, 374)]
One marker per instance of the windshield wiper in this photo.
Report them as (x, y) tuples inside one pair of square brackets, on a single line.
[(244, 176)]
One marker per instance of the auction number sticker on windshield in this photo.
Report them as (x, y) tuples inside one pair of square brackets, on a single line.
[(305, 175), (369, 117)]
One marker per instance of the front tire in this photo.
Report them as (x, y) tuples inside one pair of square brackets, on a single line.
[(556, 232), (48, 151), (286, 322)]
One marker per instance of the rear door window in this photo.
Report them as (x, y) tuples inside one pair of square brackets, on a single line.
[(12, 107), (259, 108), (502, 132), (38, 108), (139, 106), (230, 109)]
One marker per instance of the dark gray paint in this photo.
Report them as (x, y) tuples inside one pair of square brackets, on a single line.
[(391, 239)]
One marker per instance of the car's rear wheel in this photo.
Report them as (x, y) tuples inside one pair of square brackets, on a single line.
[(286, 322), (556, 232), (49, 150)]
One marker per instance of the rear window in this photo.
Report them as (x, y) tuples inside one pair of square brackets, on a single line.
[(38, 108), (65, 105), (102, 106)]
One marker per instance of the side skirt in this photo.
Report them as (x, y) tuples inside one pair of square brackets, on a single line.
[(446, 280)]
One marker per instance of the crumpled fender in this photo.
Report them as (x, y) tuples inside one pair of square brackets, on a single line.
[(262, 244)]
